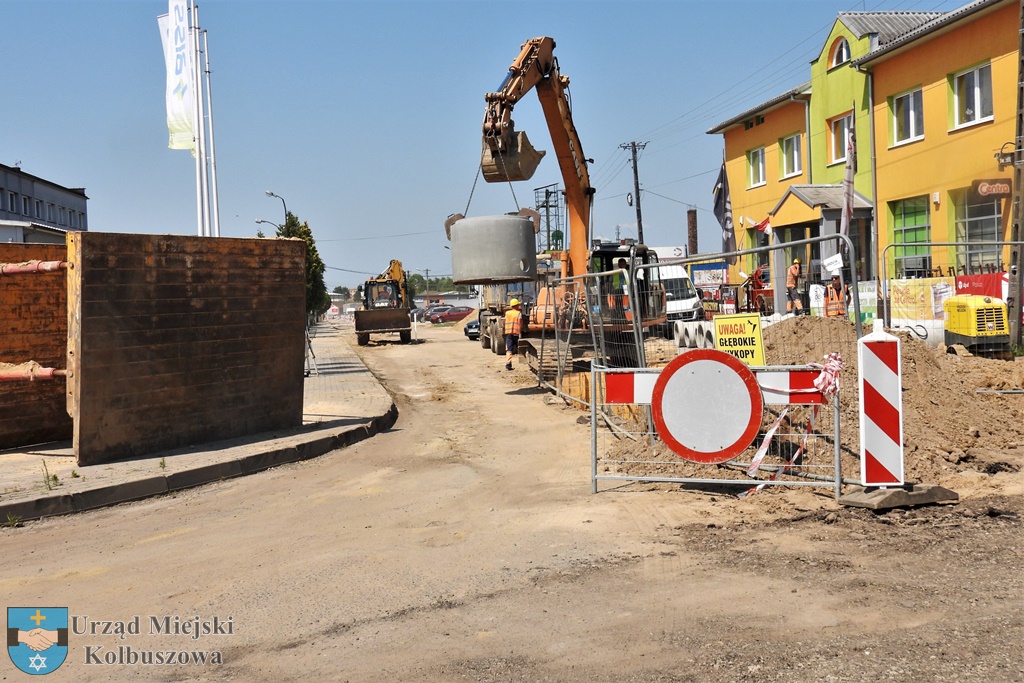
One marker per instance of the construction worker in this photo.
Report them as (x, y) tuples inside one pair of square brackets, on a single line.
[(837, 295), (793, 303), (617, 296), (513, 328)]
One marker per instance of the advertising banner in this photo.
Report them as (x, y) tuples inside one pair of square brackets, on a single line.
[(920, 299), (180, 89), (867, 297), (985, 284), (707, 275), (917, 306)]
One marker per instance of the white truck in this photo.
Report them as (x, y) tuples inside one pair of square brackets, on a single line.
[(683, 302)]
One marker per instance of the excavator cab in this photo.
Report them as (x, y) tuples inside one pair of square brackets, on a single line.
[(621, 260), (509, 158)]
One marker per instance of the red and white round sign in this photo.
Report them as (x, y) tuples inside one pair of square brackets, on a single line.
[(707, 406)]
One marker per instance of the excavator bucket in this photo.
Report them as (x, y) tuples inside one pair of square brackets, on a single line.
[(516, 163)]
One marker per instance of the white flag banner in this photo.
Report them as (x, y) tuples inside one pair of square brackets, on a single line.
[(180, 87), (851, 170)]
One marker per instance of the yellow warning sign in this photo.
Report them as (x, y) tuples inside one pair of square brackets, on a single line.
[(740, 336)]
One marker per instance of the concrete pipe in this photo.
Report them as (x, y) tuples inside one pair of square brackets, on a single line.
[(493, 250)]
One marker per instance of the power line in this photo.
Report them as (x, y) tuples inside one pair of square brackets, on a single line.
[(379, 237)]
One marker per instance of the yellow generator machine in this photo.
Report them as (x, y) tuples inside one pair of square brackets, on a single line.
[(979, 324)]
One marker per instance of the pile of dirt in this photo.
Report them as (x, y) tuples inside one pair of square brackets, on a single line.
[(950, 425), (460, 325)]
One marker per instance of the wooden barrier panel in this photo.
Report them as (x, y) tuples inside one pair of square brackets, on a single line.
[(176, 341)]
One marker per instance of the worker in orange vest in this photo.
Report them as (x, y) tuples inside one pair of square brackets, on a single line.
[(837, 295), (793, 303), (513, 328)]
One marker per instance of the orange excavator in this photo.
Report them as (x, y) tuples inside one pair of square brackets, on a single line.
[(508, 156)]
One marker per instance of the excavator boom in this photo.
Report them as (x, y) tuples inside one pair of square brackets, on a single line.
[(508, 155)]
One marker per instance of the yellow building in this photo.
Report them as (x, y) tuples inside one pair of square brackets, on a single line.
[(932, 99), (944, 105), (765, 153)]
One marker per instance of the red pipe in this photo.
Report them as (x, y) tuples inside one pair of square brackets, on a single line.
[(32, 374), (33, 267)]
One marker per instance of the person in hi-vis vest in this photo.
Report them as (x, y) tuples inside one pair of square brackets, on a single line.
[(513, 328), (837, 297)]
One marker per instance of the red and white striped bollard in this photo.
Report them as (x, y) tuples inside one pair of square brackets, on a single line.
[(881, 409)]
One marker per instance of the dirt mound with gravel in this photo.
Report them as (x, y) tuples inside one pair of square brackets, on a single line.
[(956, 433)]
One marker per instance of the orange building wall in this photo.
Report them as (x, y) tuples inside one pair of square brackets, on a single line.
[(946, 160), (755, 203)]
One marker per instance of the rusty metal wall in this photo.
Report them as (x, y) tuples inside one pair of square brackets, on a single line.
[(33, 327), (182, 340)]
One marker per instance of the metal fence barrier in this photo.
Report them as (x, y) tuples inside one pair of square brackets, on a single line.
[(797, 444)]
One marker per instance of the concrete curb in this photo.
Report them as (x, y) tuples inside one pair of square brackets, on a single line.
[(293, 449)]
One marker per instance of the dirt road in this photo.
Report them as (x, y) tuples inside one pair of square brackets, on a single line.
[(465, 545)]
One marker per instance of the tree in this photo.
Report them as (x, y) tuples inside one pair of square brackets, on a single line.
[(417, 283), (344, 292), (317, 298)]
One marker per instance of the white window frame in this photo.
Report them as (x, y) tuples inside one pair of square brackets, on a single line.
[(977, 96), (755, 168), (846, 122), (914, 106), (841, 54), (978, 222), (792, 156), (39, 209)]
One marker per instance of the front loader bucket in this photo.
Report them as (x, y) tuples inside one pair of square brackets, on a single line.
[(517, 163)]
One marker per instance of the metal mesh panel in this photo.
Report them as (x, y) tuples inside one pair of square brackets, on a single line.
[(803, 449)]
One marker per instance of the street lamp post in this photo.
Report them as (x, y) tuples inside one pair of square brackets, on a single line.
[(271, 194), (260, 220)]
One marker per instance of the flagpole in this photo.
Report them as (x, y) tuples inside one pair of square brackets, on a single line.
[(215, 204), (204, 177), (195, 133)]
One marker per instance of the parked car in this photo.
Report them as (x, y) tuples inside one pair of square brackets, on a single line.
[(472, 329), (424, 315), (453, 314)]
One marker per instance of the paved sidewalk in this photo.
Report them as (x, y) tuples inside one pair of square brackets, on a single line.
[(343, 403)]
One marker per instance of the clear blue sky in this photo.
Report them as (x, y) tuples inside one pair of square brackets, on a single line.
[(365, 114)]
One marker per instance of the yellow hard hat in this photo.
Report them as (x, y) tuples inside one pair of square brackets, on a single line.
[(796, 260), (514, 302)]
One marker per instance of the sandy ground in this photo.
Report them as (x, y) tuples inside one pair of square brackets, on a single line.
[(465, 545)]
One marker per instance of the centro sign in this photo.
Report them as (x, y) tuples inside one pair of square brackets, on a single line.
[(991, 188)]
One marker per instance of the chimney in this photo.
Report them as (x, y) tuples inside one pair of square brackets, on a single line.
[(691, 231)]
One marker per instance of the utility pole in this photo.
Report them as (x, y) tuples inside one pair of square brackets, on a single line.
[(1016, 265), (636, 186)]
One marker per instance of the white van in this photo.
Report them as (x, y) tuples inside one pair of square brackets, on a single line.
[(683, 303)]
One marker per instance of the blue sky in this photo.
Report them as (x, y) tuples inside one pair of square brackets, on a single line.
[(365, 114)]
